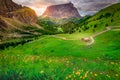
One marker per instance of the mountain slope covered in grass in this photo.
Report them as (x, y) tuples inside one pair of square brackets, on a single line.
[(17, 21), (13, 28), (49, 56), (109, 16)]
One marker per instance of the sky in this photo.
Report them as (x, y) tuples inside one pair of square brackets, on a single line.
[(85, 7)]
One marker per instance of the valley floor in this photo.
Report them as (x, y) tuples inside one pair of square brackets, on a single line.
[(63, 57)]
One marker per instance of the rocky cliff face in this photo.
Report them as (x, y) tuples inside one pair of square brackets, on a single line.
[(61, 11), (10, 9)]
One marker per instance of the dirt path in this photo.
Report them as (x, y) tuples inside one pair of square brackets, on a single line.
[(92, 37), (92, 40), (55, 36), (63, 38)]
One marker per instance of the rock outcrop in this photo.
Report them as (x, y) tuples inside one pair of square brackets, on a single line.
[(61, 11), (10, 9)]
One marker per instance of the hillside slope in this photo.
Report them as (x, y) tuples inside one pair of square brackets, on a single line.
[(109, 16), (17, 21), (52, 56), (13, 28)]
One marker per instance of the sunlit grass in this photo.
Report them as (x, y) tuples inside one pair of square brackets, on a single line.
[(50, 58), (45, 67), (76, 36)]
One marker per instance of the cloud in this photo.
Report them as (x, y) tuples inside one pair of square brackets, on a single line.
[(90, 6)]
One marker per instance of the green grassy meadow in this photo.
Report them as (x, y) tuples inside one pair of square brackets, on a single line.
[(53, 49), (50, 58)]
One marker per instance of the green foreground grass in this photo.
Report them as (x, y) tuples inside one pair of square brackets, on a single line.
[(50, 58)]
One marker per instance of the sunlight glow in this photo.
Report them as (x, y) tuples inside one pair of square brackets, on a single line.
[(39, 11)]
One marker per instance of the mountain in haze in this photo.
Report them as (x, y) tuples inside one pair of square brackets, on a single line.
[(61, 11)]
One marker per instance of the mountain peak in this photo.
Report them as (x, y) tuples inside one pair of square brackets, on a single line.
[(66, 10), (70, 3)]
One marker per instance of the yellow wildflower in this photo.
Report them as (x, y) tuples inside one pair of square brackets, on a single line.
[(116, 75), (69, 76), (91, 72), (42, 72), (108, 75), (66, 77), (112, 63), (78, 73), (95, 74), (80, 77), (49, 61), (86, 74)]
